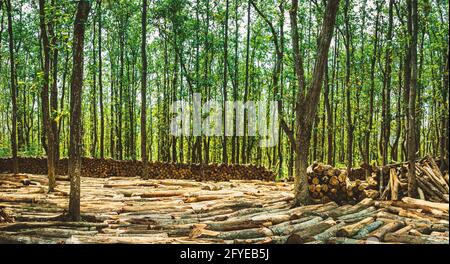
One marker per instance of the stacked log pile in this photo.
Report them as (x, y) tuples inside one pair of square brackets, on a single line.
[(432, 183), (133, 210), (327, 183), (157, 170)]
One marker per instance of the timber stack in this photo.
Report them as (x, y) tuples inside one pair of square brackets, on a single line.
[(102, 168), (432, 183), (327, 183)]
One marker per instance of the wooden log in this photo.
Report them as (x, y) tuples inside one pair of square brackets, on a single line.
[(306, 235), (409, 239), (345, 240), (425, 209), (351, 230), (55, 232), (394, 183), (404, 230), (290, 227), (437, 173), (365, 230), (440, 206), (200, 232), (330, 232), (362, 213), (28, 225), (349, 210), (383, 230), (17, 198), (421, 193), (10, 238)]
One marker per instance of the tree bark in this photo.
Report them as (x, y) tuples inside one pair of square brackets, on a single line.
[(46, 118), (100, 83), (386, 93), (144, 92), (348, 55), (412, 146), (224, 91), (75, 150), (306, 107), (366, 157), (247, 62), (13, 89)]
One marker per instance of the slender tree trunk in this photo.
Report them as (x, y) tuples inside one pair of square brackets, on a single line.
[(444, 140), (13, 89), (330, 127), (224, 90), (45, 102), (94, 96), (398, 119), (235, 142), (112, 139), (144, 92), (367, 138), (386, 94), (121, 84), (247, 61), (75, 149), (412, 146), (350, 124), (54, 88), (100, 82)]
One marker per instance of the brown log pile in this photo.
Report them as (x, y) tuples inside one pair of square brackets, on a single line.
[(432, 183), (327, 183), (157, 170), (133, 210)]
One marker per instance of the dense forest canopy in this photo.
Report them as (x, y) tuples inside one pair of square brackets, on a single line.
[(225, 50)]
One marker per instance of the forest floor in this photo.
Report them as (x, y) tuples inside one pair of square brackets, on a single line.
[(133, 210)]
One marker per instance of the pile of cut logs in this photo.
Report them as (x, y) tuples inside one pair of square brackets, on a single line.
[(133, 210), (327, 183), (157, 170), (432, 183)]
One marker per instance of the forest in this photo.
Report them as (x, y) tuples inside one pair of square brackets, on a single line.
[(358, 85)]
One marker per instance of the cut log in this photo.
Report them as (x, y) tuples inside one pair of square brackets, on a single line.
[(423, 239), (351, 230), (383, 230), (440, 206), (306, 235)]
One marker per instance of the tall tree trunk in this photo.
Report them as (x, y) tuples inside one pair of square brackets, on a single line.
[(247, 61), (54, 88), (100, 82), (75, 149), (119, 107), (308, 103), (224, 91), (112, 140), (350, 124), (13, 89), (94, 96), (329, 113), (398, 119), (444, 140), (386, 92), (367, 138), (235, 142), (144, 92), (45, 102), (412, 146)]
